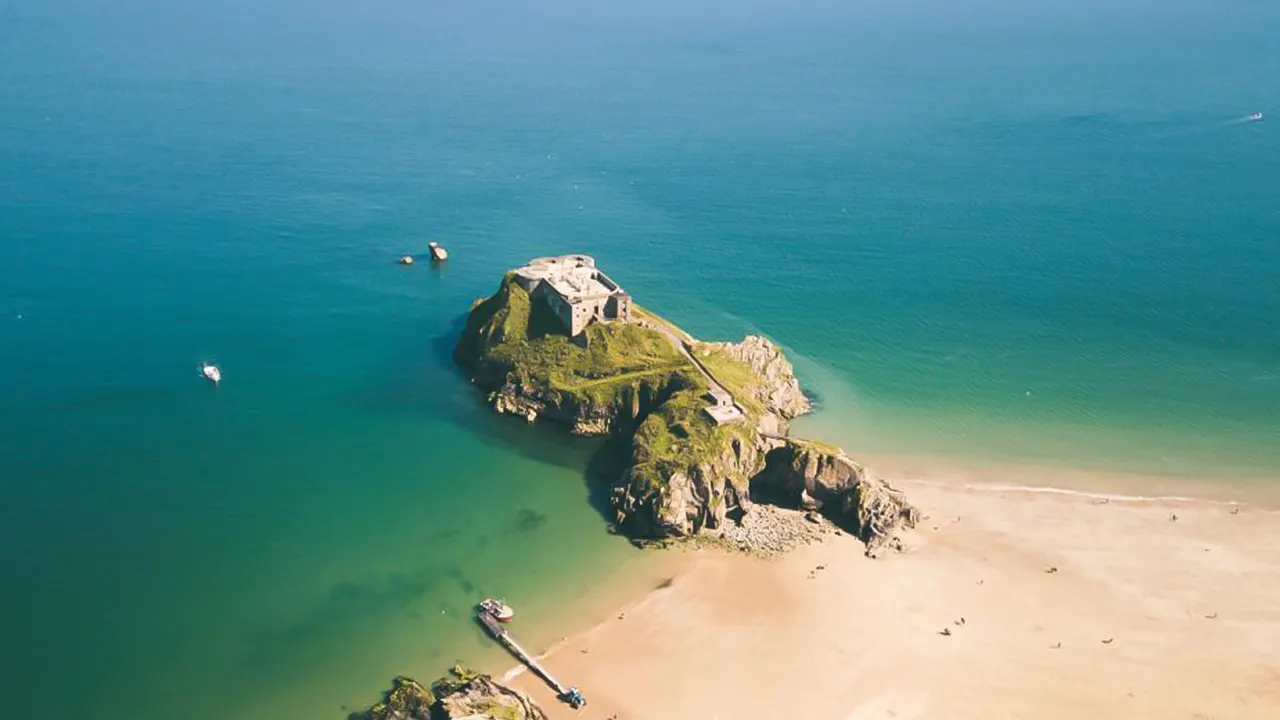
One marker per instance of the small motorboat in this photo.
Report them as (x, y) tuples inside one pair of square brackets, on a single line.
[(437, 253), (500, 611), (211, 373), (1255, 117), (406, 260)]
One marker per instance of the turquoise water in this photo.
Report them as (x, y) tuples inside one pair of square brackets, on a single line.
[(984, 232)]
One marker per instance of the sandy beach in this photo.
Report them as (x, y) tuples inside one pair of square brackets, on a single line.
[(1008, 603)]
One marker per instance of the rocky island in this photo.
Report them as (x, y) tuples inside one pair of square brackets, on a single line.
[(704, 425)]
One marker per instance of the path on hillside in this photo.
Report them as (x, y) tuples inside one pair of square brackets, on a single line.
[(686, 349)]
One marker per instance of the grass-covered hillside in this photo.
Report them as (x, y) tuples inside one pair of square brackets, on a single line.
[(635, 377), (736, 377), (509, 334), (678, 436)]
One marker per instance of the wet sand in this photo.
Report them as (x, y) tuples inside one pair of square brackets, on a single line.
[(1009, 603)]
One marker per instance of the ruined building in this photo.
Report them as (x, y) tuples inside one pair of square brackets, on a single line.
[(575, 290)]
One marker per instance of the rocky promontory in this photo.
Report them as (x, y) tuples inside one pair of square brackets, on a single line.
[(463, 695), (705, 424), (821, 478)]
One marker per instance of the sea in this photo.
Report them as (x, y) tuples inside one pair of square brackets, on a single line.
[(988, 232)]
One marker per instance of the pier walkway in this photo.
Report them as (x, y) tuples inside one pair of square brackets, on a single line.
[(500, 634)]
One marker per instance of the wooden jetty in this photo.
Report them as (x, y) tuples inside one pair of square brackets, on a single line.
[(500, 634)]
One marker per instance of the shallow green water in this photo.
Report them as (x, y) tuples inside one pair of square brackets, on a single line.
[(998, 233)]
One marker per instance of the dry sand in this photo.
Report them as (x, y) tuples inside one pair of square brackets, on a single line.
[(1144, 617)]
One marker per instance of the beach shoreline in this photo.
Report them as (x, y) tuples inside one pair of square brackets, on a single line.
[(1016, 476), (1078, 603)]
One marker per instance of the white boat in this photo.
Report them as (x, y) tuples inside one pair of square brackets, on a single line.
[(437, 253), (211, 372), (1256, 116), (500, 611)]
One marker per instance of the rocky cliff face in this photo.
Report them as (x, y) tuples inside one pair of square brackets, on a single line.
[(711, 479), (480, 698), (808, 476), (531, 403), (778, 387), (684, 499), (464, 696)]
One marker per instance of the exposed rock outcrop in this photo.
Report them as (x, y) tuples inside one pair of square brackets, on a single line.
[(532, 403), (655, 499), (480, 698), (778, 387), (464, 695), (810, 476)]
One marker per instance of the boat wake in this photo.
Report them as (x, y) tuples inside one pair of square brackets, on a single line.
[(1251, 118)]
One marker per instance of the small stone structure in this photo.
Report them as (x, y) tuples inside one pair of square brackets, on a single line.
[(575, 290), (722, 409)]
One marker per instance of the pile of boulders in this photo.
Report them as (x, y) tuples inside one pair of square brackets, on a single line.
[(769, 531)]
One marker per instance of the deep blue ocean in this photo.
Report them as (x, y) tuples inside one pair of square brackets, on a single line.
[(996, 231)]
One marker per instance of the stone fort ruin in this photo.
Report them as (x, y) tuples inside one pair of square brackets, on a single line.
[(575, 290)]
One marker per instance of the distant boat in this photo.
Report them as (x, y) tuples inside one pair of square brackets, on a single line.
[(1255, 117), (500, 611), (211, 372), (437, 253)]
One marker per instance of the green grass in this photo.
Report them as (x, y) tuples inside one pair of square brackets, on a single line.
[(678, 436), (737, 377), (588, 384), (647, 314), (498, 711), (510, 333), (818, 446)]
